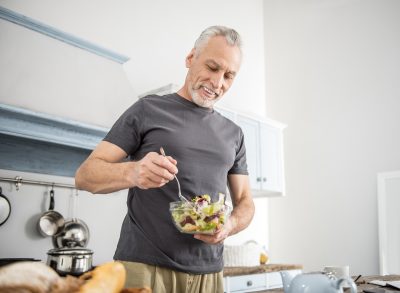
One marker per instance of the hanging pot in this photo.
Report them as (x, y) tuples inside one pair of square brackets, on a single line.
[(5, 208), (51, 222), (74, 234)]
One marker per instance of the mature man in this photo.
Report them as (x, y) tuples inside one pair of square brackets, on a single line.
[(210, 153)]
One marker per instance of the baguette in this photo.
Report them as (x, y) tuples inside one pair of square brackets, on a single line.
[(107, 278)]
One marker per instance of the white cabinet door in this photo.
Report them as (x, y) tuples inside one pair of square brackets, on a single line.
[(250, 130), (271, 158), (264, 152)]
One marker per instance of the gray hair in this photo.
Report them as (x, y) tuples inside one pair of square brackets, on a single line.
[(232, 37)]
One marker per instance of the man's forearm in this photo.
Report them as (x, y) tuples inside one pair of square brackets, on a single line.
[(99, 176), (242, 215)]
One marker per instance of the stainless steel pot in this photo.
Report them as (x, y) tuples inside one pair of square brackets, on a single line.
[(74, 234), (50, 222), (70, 261)]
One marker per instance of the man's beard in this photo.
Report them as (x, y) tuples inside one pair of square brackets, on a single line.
[(202, 102)]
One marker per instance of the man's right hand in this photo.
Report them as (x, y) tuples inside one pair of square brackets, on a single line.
[(104, 172), (154, 170)]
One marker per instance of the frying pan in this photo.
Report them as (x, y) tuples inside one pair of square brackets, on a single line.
[(5, 208), (51, 222)]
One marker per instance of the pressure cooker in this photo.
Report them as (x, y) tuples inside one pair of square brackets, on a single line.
[(70, 261)]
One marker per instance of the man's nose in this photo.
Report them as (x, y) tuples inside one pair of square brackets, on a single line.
[(217, 80)]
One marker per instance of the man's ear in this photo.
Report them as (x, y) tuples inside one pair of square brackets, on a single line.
[(189, 58)]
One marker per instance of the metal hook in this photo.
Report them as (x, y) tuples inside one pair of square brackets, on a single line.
[(18, 182)]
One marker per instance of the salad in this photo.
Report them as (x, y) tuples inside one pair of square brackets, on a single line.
[(199, 216)]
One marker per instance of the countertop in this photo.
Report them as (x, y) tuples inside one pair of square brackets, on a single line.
[(362, 283), (237, 271)]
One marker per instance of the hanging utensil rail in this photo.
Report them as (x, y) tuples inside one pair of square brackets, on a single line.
[(19, 181)]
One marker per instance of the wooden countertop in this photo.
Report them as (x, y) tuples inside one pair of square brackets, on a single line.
[(237, 271)]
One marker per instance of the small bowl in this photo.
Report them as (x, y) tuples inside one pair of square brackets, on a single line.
[(205, 218)]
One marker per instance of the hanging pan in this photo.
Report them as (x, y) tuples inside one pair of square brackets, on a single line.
[(5, 208), (51, 222)]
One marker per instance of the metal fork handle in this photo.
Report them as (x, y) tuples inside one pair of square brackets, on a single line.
[(176, 178)]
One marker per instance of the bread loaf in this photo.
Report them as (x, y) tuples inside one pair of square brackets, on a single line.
[(36, 277), (107, 278)]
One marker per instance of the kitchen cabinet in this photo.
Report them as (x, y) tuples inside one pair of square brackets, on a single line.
[(271, 175), (42, 143), (252, 283), (258, 278), (250, 128), (264, 150)]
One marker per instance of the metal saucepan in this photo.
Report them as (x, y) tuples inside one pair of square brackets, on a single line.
[(70, 261), (74, 234), (51, 222), (5, 208)]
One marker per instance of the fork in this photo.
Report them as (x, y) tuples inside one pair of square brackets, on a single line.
[(182, 198)]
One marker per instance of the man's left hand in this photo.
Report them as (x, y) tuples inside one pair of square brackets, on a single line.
[(219, 236)]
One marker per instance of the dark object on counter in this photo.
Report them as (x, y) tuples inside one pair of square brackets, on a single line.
[(357, 278), (6, 261), (5, 208), (51, 222), (74, 234), (70, 261)]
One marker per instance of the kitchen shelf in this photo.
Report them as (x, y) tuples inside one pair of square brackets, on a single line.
[(32, 125), (40, 143)]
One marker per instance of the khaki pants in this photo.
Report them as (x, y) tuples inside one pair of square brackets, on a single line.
[(163, 280)]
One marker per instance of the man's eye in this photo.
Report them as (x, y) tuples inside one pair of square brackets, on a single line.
[(229, 76), (212, 68)]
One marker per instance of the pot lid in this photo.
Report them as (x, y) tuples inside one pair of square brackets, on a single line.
[(70, 251)]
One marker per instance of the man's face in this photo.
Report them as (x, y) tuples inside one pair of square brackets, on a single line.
[(212, 69)]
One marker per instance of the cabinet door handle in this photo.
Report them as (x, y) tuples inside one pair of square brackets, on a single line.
[(258, 179), (249, 283), (265, 179)]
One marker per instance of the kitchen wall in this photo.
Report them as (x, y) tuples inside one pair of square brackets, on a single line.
[(45, 75), (19, 235), (332, 74), (157, 36)]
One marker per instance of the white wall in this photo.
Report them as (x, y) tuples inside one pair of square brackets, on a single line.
[(332, 72), (48, 76), (158, 35)]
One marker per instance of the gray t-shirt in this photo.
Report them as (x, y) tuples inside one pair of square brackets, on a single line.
[(207, 147)]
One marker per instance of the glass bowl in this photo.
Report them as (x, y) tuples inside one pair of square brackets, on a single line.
[(199, 217)]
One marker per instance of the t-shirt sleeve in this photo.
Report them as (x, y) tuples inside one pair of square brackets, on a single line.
[(240, 164), (126, 131)]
